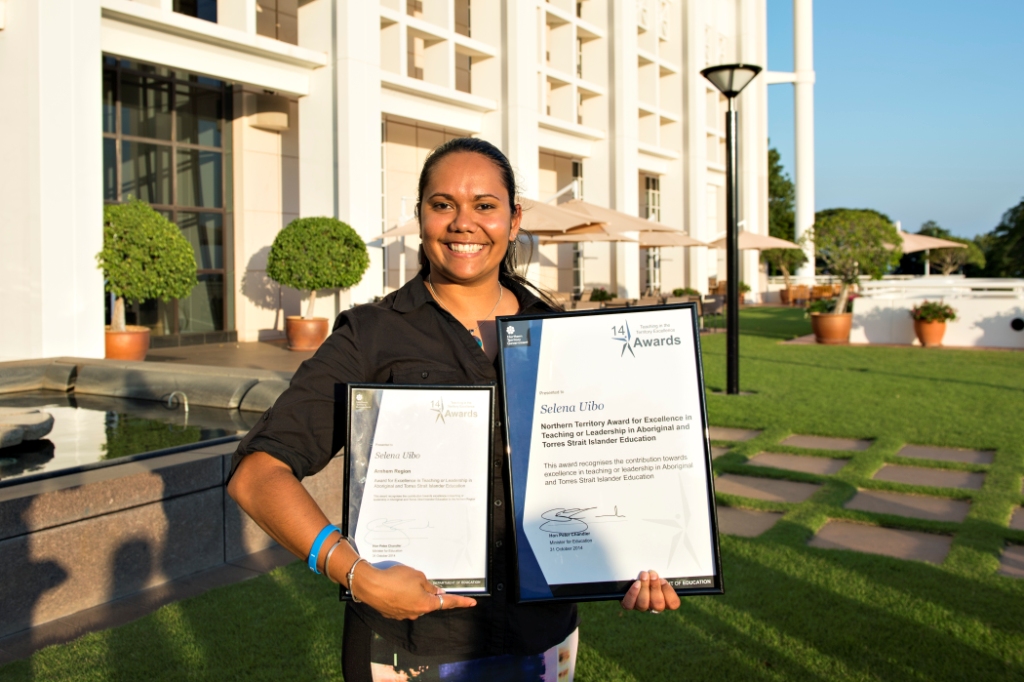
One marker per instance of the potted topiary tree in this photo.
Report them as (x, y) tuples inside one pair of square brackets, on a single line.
[(930, 322), (144, 256), (786, 261), (311, 254), (851, 242)]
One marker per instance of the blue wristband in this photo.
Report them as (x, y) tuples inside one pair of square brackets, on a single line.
[(314, 551)]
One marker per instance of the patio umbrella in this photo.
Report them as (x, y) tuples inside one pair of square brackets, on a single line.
[(577, 237), (617, 221), (540, 219), (922, 242), (406, 229), (649, 239), (758, 242)]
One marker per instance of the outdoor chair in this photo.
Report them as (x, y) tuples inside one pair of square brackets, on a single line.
[(800, 294), (587, 305), (650, 300), (713, 306), (618, 303)]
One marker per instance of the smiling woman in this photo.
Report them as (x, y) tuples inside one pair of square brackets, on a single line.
[(437, 329)]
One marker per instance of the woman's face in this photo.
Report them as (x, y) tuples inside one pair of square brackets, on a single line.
[(466, 221)]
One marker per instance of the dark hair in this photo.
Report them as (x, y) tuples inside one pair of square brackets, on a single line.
[(475, 145)]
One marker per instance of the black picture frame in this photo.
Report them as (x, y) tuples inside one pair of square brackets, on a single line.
[(352, 479), (607, 591)]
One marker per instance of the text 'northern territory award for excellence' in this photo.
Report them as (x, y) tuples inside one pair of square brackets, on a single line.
[(610, 458)]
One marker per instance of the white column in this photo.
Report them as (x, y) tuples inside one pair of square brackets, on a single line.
[(624, 135), (51, 191), (340, 126), (237, 14), (753, 114), (803, 95), (695, 145)]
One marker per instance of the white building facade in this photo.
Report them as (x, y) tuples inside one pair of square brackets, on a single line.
[(233, 117)]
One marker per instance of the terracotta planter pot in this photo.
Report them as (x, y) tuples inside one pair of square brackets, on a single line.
[(784, 297), (832, 328), (929, 333), (131, 344), (305, 334)]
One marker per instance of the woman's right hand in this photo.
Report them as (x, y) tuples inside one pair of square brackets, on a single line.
[(402, 593)]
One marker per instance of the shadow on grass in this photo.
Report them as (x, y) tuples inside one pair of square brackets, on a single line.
[(801, 614)]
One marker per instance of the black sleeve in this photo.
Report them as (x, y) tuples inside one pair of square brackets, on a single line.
[(305, 428)]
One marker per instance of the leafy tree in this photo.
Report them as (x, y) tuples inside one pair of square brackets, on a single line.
[(855, 242), (1007, 244), (317, 253), (144, 256), (781, 218)]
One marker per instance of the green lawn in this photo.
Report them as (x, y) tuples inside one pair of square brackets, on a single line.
[(790, 612)]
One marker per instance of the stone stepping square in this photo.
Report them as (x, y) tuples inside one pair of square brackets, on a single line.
[(1017, 520), (947, 454), (916, 506), (723, 433), (901, 544), (809, 465), (938, 478), (826, 443), (746, 523), (718, 450), (1011, 563), (769, 489)]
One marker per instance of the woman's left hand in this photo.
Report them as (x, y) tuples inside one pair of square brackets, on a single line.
[(650, 593)]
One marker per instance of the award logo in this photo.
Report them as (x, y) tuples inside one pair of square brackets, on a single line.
[(647, 336), (363, 400), (517, 333), (458, 409)]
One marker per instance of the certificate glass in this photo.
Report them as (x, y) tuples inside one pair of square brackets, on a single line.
[(418, 482), (609, 452)]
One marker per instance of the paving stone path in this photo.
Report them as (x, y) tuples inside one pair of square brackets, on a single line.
[(916, 506), (824, 466), (902, 544), (734, 435), (1012, 561), (747, 523), (947, 454), (860, 537), (823, 443), (938, 478), (770, 489)]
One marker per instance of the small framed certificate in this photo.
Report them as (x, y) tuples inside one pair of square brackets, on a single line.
[(418, 483), (609, 452)]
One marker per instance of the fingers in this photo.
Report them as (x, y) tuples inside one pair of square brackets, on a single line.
[(672, 601), (629, 601), (657, 597), (456, 601)]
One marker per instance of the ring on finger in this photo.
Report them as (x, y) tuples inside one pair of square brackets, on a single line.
[(440, 599), (652, 611)]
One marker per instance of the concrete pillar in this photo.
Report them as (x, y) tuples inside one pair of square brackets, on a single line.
[(624, 135), (51, 189), (753, 113), (803, 95), (340, 126), (237, 14), (695, 146)]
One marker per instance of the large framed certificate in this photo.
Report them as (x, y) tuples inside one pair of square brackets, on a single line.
[(609, 452), (418, 483)]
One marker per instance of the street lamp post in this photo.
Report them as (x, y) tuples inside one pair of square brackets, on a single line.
[(730, 79)]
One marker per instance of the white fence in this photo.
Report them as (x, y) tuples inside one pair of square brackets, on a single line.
[(986, 310)]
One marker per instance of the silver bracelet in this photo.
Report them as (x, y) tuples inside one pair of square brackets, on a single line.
[(351, 576), (327, 562)]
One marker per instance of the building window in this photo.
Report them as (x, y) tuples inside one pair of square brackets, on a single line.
[(577, 248), (278, 19), (651, 209), (165, 136), (200, 9), (463, 15)]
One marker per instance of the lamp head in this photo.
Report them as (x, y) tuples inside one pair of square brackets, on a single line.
[(730, 79)]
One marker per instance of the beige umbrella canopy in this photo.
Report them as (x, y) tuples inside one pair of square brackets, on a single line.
[(540, 219), (650, 239), (758, 242), (406, 229), (576, 237), (922, 242), (617, 221)]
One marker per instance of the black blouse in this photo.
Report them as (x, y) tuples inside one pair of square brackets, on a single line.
[(408, 339)]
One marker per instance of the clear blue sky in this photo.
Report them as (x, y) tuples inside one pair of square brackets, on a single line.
[(919, 107)]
